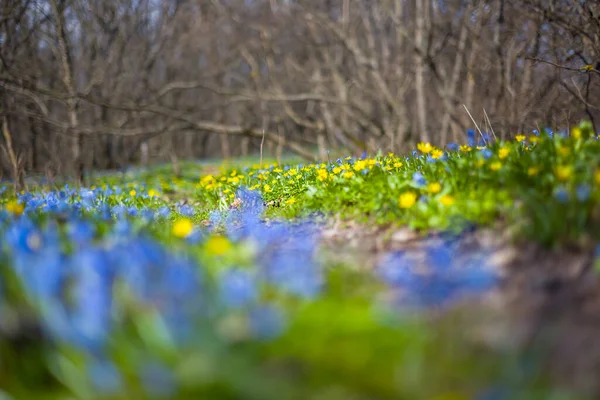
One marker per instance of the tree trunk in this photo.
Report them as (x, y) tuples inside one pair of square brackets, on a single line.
[(420, 22)]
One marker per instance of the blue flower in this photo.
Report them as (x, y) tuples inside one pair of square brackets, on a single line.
[(561, 195), (419, 179), (237, 288), (582, 192), (471, 137), (81, 232), (486, 153), (266, 322), (186, 210), (164, 212)]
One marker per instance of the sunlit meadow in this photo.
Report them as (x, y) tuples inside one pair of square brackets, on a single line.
[(218, 283)]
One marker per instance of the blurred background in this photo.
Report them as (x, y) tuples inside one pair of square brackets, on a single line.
[(98, 84)]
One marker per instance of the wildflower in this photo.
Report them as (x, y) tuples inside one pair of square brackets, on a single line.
[(152, 193), (186, 210), (290, 201), (360, 165), (465, 148), (533, 171), (582, 192), (397, 164), (182, 228), (14, 207), (561, 195), (293, 171), (434, 187), (407, 199), (471, 137), (267, 188), (597, 177), (563, 151), (534, 138), (520, 138), (503, 153), (217, 245), (495, 166), (419, 179), (563, 172), (425, 148), (447, 200), (436, 154), (132, 192), (337, 170), (348, 174), (576, 132), (266, 322), (322, 175), (486, 153), (237, 288)]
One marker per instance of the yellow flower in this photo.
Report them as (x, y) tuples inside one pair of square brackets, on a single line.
[(360, 165), (182, 228), (532, 171), (290, 201), (464, 148), (563, 151), (434, 187), (293, 171), (436, 153), (152, 193), (534, 138), (132, 193), (322, 175), (495, 166), (425, 148), (563, 172), (576, 132), (217, 245), (503, 153), (337, 170), (397, 164), (597, 177), (520, 138), (480, 163), (447, 200), (407, 199), (348, 174), (14, 207), (267, 188)]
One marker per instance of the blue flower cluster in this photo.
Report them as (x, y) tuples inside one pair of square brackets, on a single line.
[(86, 264), (446, 273)]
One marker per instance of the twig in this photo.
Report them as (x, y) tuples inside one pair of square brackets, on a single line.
[(476, 126), (489, 124), (539, 60)]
